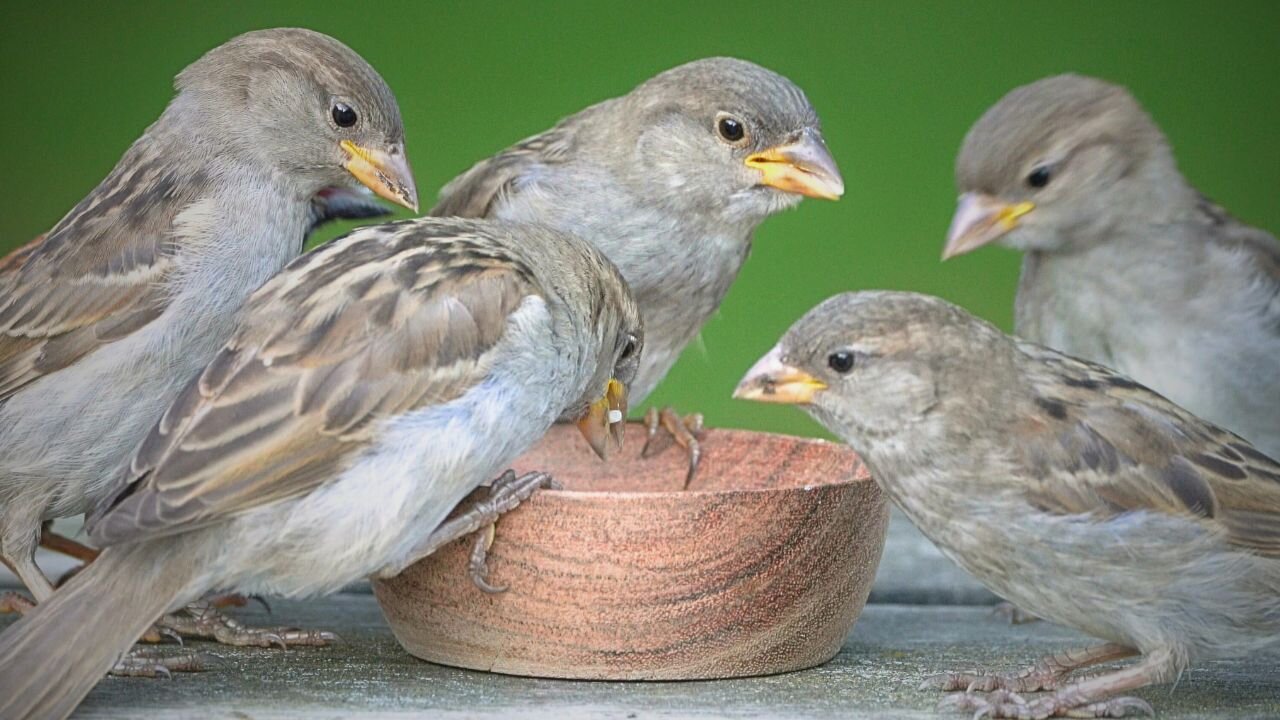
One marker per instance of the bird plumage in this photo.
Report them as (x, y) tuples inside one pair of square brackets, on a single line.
[(365, 391)]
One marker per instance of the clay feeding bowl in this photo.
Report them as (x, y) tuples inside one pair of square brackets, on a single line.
[(761, 566)]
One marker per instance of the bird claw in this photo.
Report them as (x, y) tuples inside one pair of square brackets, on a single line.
[(12, 602), (206, 621), (1008, 705), (144, 662), (505, 494), (684, 430)]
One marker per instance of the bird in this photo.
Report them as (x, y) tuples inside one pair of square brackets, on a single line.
[(1063, 485), (105, 317), (364, 392), (1124, 263), (670, 181)]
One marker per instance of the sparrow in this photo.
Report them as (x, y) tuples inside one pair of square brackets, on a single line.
[(1065, 486), (364, 392), (669, 181), (106, 316), (1125, 262)]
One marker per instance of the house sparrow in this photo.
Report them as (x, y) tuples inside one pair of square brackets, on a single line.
[(104, 318), (1062, 485), (670, 181), (1125, 264), (364, 392)]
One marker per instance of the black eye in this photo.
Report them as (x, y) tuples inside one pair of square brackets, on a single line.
[(841, 361), (343, 115), (730, 129), (629, 349), (1039, 177)]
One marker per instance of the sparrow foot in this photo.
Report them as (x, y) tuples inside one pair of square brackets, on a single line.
[(1010, 705), (1049, 672), (505, 494), (684, 430), (147, 662), (1015, 614), (203, 620), (12, 602)]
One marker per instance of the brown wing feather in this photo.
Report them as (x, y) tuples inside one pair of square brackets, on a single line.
[(476, 192), (365, 328), (95, 277), (1105, 444)]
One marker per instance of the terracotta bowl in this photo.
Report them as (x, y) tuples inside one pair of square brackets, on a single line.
[(761, 566)]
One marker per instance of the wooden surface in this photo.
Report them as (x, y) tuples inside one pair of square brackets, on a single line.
[(760, 567), (367, 676)]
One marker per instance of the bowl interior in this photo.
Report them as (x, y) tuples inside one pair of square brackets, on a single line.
[(732, 460)]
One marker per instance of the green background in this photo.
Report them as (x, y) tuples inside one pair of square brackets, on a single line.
[(897, 85)]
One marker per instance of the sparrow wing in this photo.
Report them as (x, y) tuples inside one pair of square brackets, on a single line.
[(490, 182), (370, 326), (99, 274), (1101, 443)]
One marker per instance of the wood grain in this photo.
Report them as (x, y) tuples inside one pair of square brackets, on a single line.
[(761, 567)]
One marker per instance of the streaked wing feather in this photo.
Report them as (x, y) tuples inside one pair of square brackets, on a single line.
[(365, 328), (1113, 446), (99, 274), (475, 193)]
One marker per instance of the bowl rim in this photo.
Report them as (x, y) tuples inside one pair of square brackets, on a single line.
[(859, 473)]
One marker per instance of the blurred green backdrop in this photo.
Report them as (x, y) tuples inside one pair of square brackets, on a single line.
[(897, 85)]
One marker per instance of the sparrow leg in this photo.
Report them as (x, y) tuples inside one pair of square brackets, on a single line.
[(203, 620), (12, 602), (230, 600), (1015, 614), (50, 540), (1086, 698), (505, 494), (684, 430), (146, 662), (19, 554), (1047, 674)]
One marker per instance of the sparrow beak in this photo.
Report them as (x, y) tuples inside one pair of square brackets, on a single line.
[(385, 173), (979, 220), (804, 166), (772, 381), (606, 420)]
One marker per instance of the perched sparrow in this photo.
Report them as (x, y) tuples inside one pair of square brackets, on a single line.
[(669, 181), (1068, 488), (366, 390), (1126, 264), (104, 318)]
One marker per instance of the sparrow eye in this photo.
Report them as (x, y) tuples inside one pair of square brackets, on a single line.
[(730, 128), (629, 349), (841, 361), (343, 115), (1039, 177)]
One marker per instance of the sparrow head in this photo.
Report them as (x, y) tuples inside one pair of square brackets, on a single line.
[(304, 107), (1059, 162), (725, 136), (869, 364), (604, 313)]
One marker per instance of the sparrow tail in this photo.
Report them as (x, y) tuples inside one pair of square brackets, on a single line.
[(54, 655)]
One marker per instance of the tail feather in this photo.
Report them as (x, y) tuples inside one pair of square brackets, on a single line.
[(52, 657)]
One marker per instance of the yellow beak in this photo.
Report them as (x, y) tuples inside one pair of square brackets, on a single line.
[(385, 173), (981, 219), (606, 419), (772, 381), (804, 167)]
